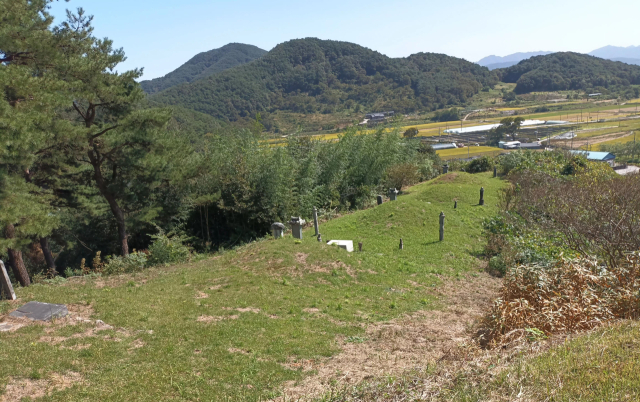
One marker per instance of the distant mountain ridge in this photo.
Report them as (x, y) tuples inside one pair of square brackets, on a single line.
[(617, 52), (569, 71), (492, 62), (312, 75), (205, 64), (629, 55)]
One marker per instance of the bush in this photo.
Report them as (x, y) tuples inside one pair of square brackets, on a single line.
[(479, 165), (134, 262), (399, 176), (411, 132), (168, 249)]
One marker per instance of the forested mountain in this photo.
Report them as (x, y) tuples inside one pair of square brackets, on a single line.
[(563, 71), (312, 75), (205, 64)]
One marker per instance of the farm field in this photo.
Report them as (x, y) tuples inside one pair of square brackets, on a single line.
[(250, 322), (468, 151)]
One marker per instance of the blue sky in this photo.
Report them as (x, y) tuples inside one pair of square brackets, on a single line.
[(161, 35)]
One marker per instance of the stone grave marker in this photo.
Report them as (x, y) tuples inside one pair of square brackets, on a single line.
[(277, 229), (315, 221), (379, 200), (481, 196), (441, 226), (344, 244), (393, 194), (41, 311), (296, 226)]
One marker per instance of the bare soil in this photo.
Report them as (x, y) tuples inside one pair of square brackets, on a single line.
[(402, 344)]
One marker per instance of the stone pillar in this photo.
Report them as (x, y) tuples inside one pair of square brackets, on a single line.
[(277, 229), (360, 247), (445, 169), (6, 288), (481, 196), (455, 205), (401, 245), (393, 194), (296, 226), (495, 171), (441, 226), (379, 200), (315, 221)]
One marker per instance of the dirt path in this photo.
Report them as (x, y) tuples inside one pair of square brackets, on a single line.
[(402, 344), (579, 142)]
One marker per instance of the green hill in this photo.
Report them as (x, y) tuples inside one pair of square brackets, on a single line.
[(205, 64), (569, 71), (312, 75), (234, 326)]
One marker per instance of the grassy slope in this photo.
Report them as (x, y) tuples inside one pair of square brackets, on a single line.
[(188, 360), (603, 365)]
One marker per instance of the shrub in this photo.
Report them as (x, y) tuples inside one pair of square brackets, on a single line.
[(168, 249), (570, 295), (133, 262), (399, 176), (411, 132), (483, 164)]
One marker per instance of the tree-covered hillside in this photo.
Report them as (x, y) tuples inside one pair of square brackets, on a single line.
[(569, 71), (312, 75), (205, 64)]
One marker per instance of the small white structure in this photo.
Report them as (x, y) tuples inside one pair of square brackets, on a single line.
[(509, 144), (345, 244)]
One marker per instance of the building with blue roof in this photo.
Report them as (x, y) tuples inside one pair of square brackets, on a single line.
[(597, 156)]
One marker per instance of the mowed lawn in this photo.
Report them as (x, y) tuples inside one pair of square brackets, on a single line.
[(229, 327)]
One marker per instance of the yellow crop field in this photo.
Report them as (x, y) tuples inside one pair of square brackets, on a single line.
[(470, 151), (622, 140)]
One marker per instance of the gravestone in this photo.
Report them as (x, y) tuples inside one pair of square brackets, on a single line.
[(481, 196), (455, 205), (315, 221), (277, 229), (344, 244), (41, 311), (495, 171), (6, 288), (296, 226), (360, 247), (401, 245), (441, 226), (379, 200), (319, 237), (445, 169), (393, 194)]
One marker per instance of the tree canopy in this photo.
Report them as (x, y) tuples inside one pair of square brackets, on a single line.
[(569, 71)]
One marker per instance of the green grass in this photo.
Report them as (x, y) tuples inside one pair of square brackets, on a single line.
[(241, 356)]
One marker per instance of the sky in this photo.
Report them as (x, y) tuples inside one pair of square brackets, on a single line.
[(161, 35)]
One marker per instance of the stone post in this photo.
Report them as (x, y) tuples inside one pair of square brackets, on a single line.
[(441, 226), (393, 194), (481, 196), (319, 238), (360, 247), (401, 245), (445, 169), (315, 221), (495, 171), (277, 229), (455, 205), (379, 200), (296, 226), (6, 288)]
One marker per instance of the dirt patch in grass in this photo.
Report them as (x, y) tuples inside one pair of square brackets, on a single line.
[(20, 388), (301, 258), (448, 178), (402, 344), (210, 319)]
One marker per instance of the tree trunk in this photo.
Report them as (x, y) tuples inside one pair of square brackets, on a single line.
[(48, 257), (111, 200), (15, 259)]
